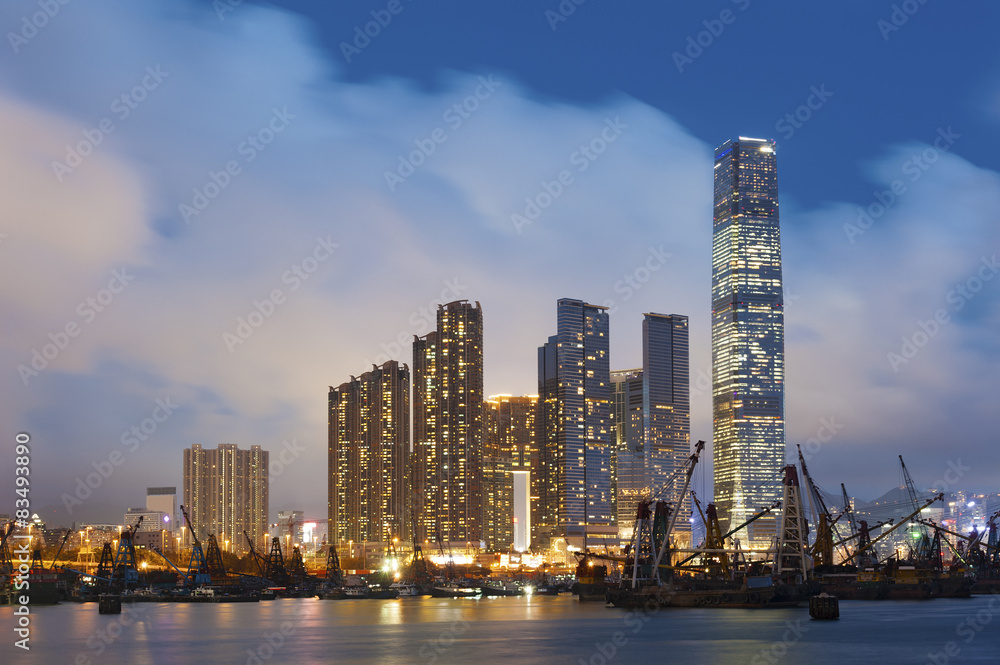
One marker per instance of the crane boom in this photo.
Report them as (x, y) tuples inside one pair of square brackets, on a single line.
[(903, 521)]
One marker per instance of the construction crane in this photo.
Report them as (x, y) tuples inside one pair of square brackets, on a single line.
[(66, 536), (924, 541), (848, 510), (125, 568), (866, 546), (822, 549), (6, 560), (198, 573), (257, 558)]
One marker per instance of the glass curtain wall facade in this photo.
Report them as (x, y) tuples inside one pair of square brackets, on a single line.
[(574, 382), (666, 410), (748, 346)]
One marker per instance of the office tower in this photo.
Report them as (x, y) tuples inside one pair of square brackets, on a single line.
[(666, 411), (748, 347), (448, 427), (164, 499), (226, 493), (628, 465), (512, 434), (574, 385), (369, 442)]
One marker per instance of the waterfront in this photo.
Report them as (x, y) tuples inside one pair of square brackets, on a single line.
[(506, 630)]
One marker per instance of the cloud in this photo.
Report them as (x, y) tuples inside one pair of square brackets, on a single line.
[(250, 125)]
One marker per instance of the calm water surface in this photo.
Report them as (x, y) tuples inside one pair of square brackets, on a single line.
[(505, 630)]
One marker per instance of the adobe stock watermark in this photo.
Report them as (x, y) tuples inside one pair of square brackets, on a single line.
[(957, 298), (803, 113), (99, 640), (633, 281), (272, 642), (914, 167), (635, 620), (289, 453), (223, 7), (122, 107), (562, 12), (968, 628), (249, 149), (696, 44), (31, 24), (825, 433), (779, 648), (956, 471), (454, 116), (581, 158), (381, 18), (899, 16), (131, 439), (87, 311), (421, 321), (432, 649), (294, 277)]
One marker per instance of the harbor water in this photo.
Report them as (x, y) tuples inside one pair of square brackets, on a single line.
[(540, 629)]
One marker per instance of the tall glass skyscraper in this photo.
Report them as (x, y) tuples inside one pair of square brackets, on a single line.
[(748, 341), (666, 409), (574, 382)]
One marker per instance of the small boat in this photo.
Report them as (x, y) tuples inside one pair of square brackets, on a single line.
[(455, 590), (500, 588), (406, 590)]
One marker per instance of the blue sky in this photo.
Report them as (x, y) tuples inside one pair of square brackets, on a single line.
[(236, 170)]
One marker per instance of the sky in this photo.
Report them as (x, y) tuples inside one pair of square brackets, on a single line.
[(215, 211)]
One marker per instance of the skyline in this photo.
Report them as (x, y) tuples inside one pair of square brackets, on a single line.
[(308, 240)]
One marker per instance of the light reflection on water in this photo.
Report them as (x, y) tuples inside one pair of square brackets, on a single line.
[(501, 630)]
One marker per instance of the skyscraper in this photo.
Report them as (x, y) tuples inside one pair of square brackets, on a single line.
[(666, 409), (369, 447), (628, 463), (748, 344), (226, 492), (574, 384), (448, 426), (512, 434)]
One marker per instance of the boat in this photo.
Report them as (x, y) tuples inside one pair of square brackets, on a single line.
[(455, 590), (406, 590), (501, 588)]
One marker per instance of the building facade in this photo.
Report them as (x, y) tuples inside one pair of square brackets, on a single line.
[(512, 435), (666, 411), (226, 493), (164, 499), (748, 345), (368, 454), (628, 463), (574, 385), (448, 427)]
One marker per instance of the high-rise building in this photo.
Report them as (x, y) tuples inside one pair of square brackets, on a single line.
[(164, 499), (628, 465), (226, 492), (666, 411), (748, 343), (511, 434), (447, 466), (368, 454), (574, 384)]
